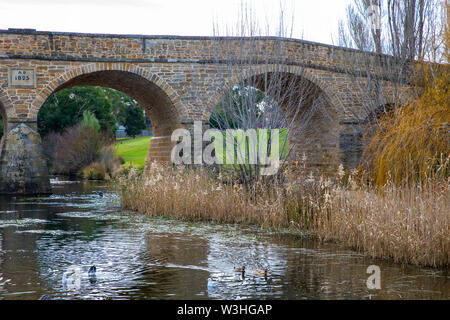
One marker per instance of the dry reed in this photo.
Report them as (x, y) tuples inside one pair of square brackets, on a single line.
[(409, 224)]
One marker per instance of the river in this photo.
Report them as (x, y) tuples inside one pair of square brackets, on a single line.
[(46, 239)]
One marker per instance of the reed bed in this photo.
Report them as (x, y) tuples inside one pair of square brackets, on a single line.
[(409, 225)]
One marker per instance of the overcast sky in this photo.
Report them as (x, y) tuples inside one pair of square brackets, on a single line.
[(314, 20)]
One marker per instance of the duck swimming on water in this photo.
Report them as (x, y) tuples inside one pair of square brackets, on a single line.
[(240, 269), (92, 275), (262, 273), (92, 271)]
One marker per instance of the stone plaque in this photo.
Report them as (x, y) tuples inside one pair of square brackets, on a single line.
[(22, 78)]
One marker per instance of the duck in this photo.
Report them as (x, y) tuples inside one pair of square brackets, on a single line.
[(240, 269), (92, 275), (92, 270), (262, 273)]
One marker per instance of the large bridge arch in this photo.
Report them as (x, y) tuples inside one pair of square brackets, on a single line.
[(299, 71), (319, 138), (159, 101)]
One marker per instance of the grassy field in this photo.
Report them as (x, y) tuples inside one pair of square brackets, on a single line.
[(133, 151), (220, 150)]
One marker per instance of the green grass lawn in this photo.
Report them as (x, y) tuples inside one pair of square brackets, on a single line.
[(283, 145), (133, 151)]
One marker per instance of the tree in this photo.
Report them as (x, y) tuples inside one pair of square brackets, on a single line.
[(360, 29), (265, 95), (235, 103), (134, 120), (408, 34), (406, 29), (65, 108), (411, 144), (126, 111), (90, 121), (120, 103)]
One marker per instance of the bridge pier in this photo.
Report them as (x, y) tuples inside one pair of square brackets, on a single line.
[(23, 168), (161, 147)]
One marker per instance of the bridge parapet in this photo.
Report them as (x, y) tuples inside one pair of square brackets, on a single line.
[(43, 45)]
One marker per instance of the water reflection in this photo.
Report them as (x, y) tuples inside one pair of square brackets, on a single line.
[(141, 258)]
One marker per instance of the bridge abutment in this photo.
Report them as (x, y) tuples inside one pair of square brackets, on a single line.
[(23, 168)]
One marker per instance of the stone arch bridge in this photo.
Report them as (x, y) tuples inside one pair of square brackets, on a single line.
[(176, 80)]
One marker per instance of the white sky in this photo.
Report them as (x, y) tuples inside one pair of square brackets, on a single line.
[(314, 20)]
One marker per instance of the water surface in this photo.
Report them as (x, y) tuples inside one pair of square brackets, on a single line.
[(139, 257)]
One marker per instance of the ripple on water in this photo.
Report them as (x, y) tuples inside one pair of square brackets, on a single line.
[(62, 182), (50, 232), (21, 222), (103, 215)]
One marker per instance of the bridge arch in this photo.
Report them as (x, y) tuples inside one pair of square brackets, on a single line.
[(159, 101), (5, 105), (306, 73), (318, 139), (4, 120)]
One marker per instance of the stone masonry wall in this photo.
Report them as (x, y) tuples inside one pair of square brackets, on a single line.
[(23, 169), (178, 79)]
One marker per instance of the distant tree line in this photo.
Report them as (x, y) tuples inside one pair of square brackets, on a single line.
[(78, 126)]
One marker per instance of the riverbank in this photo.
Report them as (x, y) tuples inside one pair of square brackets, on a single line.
[(408, 225)]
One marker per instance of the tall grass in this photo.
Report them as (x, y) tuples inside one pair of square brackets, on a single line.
[(408, 225)]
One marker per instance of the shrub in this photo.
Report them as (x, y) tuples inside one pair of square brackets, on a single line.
[(121, 160), (76, 148), (95, 171), (81, 149), (109, 160)]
